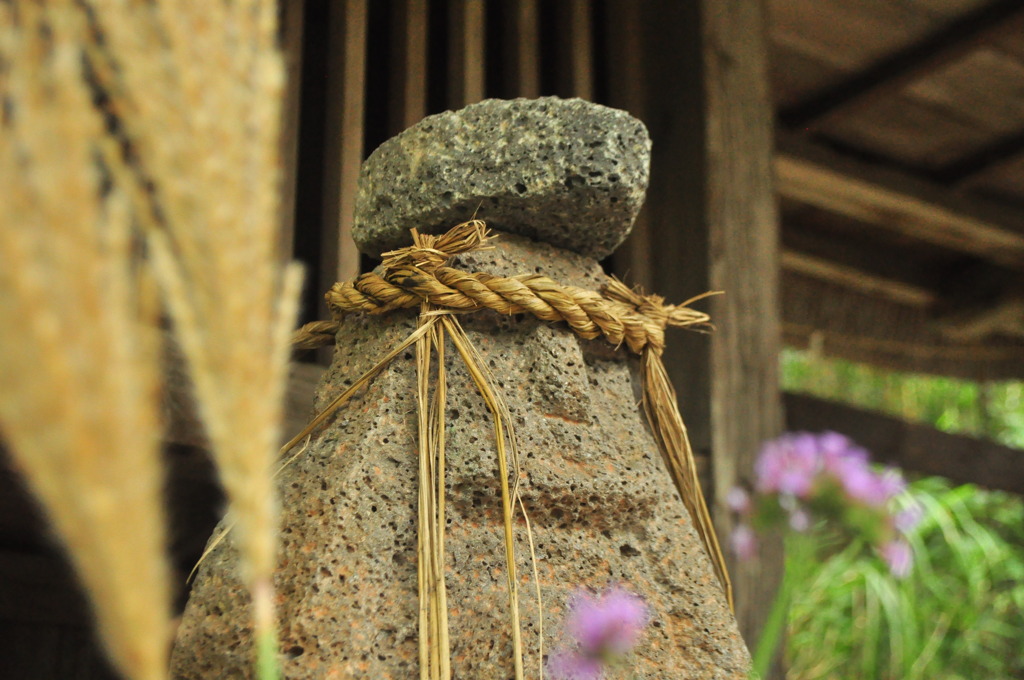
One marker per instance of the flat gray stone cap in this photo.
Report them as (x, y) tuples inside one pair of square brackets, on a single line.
[(564, 171)]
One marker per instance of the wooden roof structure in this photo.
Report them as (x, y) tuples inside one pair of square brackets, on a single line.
[(898, 151), (900, 172), (851, 172)]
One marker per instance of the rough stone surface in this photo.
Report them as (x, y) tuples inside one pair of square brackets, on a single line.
[(566, 172), (602, 504)]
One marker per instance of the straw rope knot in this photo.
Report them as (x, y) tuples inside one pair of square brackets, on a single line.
[(657, 315), (429, 252)]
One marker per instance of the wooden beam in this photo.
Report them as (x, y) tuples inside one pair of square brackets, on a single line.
[(626, 90), (409, 75), (848, 323), (967, 171), (899, 203), (466, 22), (522, 50), (1003, 316), (580, 67), (893, 73), (714, 225), (861, 265), (850, 277), (346, 103), (292, 32), (743, 247), (981, 305), (912, 446)]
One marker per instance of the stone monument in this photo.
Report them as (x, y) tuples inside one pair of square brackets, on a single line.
[(561, 181)]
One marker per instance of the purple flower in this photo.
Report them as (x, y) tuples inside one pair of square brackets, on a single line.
[(860, 482), (566, 665), (864, 485), (830, 476), (799, 520), (892, 483), (837, 448), (908, 518), (609, 624), (796, 464), (898, 555), (604, 628), (788, 465), (738, 500), (744, 542)]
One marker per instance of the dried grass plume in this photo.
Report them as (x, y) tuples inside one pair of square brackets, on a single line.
[(78, 348), (198, 88), (141, 145)]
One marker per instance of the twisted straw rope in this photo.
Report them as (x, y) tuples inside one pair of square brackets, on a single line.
[(417, 274)]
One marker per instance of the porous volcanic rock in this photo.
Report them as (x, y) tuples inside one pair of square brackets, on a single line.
[(603, 507), (541, 168)]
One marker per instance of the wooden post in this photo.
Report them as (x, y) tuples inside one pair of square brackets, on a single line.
[(466, 30), (344, 138), (522, 50), (291, 32), (743, 224), (714, 225), (576, 17), (627, 85), (409, 78)]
